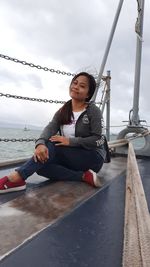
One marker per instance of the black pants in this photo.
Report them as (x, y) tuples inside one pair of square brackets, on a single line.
[(64, 164)]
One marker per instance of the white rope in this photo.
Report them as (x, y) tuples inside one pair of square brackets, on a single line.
[(117, 143), (123, 142)]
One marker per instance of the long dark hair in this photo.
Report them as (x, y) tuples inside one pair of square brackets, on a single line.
[(65, 113)]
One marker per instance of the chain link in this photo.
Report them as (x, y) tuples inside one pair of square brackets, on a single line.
[(32, 99), (18, 140), (32, 65), (36, 99)]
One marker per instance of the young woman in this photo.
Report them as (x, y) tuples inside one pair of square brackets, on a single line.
[(70, 147)]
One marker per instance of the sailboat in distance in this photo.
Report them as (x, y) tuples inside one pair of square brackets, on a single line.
[(26, 128)]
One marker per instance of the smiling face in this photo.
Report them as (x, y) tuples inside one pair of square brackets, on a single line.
[(79, 88)]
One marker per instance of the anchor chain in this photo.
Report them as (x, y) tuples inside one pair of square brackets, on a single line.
[(32, 65), (36, 99), (32, 99), (18, 140)]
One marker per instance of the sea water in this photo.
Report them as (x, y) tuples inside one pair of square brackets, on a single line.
[(17, 150), (20, 150)]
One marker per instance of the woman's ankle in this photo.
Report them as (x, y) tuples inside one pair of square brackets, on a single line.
[(15, 177)]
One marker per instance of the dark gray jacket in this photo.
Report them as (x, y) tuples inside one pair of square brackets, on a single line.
[(88, 130)]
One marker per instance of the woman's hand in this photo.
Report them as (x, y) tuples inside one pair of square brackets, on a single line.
[(62, 141), (41, 153)]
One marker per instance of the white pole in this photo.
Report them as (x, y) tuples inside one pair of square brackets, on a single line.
[(135, 117), (107, 48)]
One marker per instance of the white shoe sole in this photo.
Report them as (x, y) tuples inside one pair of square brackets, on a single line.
[(97, 182), (17, 188)]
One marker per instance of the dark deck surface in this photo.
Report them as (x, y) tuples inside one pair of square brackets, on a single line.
[(89, 233)]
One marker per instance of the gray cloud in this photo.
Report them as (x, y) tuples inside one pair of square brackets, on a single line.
[(75, 33), (12, 77)]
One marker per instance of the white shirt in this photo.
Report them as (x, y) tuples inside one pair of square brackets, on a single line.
[(68, 130)]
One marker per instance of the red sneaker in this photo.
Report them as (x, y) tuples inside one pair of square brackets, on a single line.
[(91, 178), (7, 186)]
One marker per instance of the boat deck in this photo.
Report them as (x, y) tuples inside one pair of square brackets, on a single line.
[(67, 224)]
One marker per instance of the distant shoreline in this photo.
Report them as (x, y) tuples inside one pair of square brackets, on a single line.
[(19, 126)]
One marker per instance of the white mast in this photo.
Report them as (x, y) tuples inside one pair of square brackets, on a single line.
[(107, 48), (139, 30)]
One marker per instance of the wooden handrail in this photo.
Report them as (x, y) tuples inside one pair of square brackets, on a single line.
[(137, 219)]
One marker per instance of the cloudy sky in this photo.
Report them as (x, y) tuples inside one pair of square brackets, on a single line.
[(70, 36)]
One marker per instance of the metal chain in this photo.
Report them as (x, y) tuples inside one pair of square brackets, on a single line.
[(32, 65), (23, 62), (32, 99), (36, 99), (18, 140), (144, 133)]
